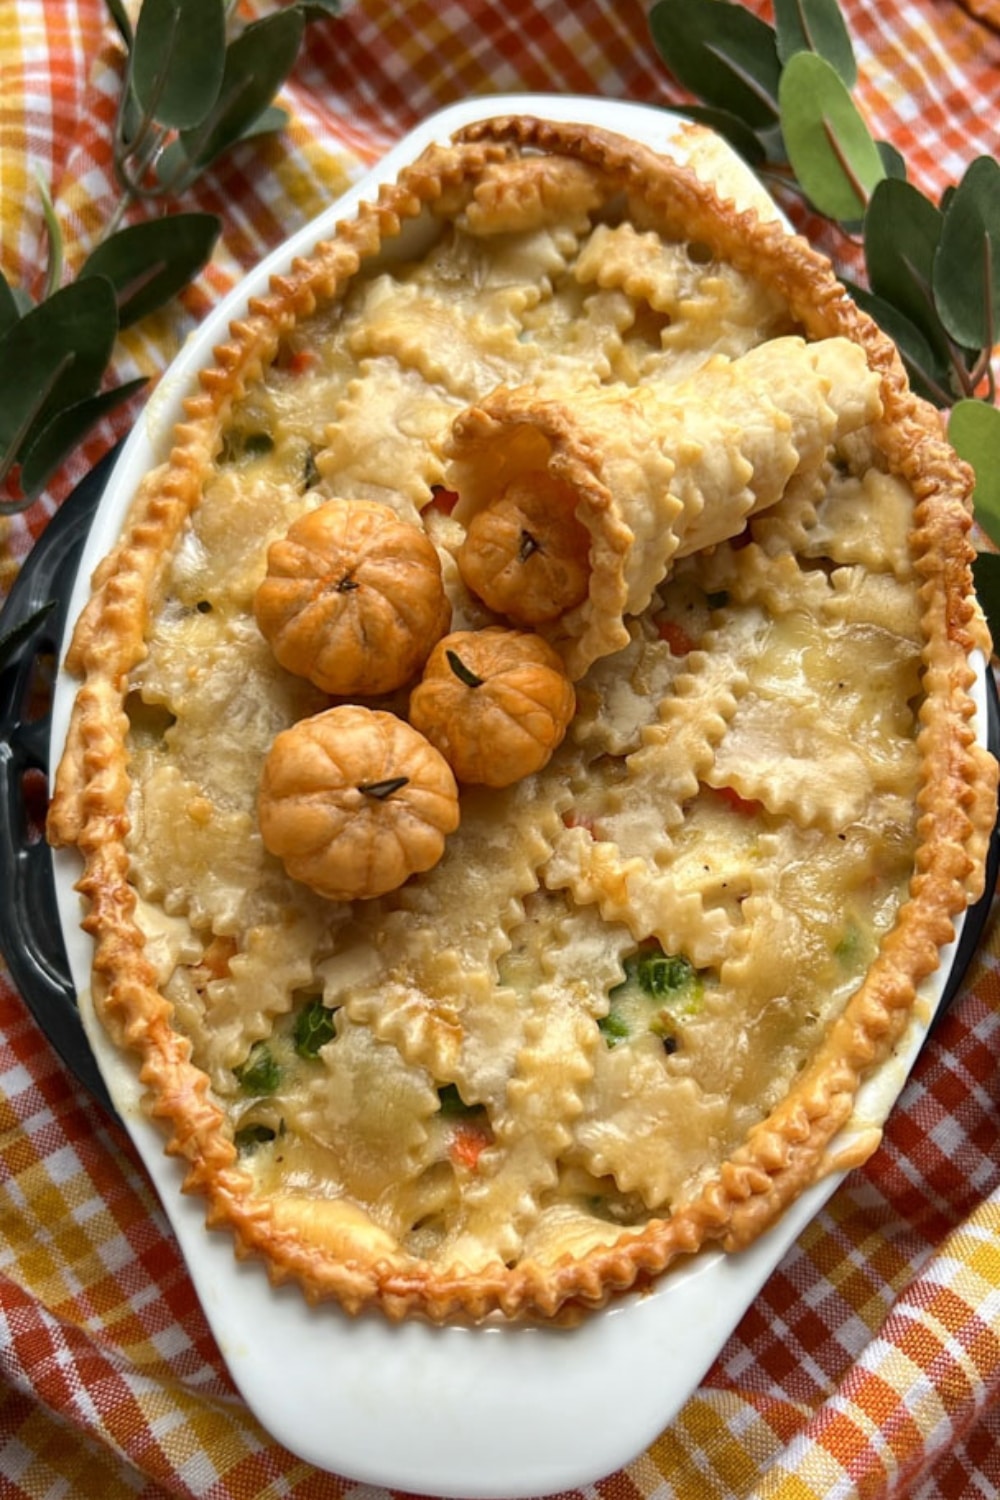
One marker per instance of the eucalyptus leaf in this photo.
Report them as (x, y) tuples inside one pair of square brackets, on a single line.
[(974, 433), (24, 299), (120, 16), (320, 10), (902, 231), (816, 26), (149, 263), (895, 166), (893, 161), (723, 53), (53, 357), (829, 145), (178, 58), (256, 65), (65, 430), (129, 124), (270, 120), (966, 272), (174, 169), (9, 310), (739, 135), (986, 576)]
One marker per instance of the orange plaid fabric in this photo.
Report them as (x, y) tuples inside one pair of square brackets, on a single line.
[(870, 1363)]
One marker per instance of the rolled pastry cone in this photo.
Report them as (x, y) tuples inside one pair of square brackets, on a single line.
[(655, 472)]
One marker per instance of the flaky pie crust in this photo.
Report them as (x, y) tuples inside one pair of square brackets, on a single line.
[(339, 1252)]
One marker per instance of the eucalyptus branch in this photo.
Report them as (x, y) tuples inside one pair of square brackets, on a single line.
[(190, 92), (53, 233)]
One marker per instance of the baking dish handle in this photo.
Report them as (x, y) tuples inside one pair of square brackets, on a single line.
[(33, 622)]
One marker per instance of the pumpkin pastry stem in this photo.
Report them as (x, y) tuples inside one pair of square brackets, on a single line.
[(353, 801), (495, 702), (353, 598)]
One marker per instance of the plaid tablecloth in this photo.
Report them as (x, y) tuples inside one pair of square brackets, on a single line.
[(870, 1363)]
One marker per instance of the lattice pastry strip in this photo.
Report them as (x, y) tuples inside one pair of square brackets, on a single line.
[(424, 975), (825, 727), (861, 520), (526, 262), (191, 855), (621, 861), (531, 1134), (581, 338), (681, 280), (865, 522), (229, 700), (649, 1128), (466, 352), (226, 998), (878, 600), (385, 442), (577, 963), (367, 1113), (811, 891), (621, 694), (222, 555), (765, 586)]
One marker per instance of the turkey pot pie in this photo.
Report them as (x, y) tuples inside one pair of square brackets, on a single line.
[(627, 1010)]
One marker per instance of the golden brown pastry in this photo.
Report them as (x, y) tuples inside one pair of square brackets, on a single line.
[(516, 1053)]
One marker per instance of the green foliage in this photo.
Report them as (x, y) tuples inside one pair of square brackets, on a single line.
[(195, 86), (256, 65), (50, 358), (933, 269), (829, 147), (966, 275), (151, 262), (974, 433), (815, 26), (178, 57), (986, 574), (723, 54), (902, 232), (11, 306)]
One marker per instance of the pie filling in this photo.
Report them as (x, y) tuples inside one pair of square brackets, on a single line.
[(514, 1030)]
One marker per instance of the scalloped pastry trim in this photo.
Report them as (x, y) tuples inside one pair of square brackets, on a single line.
[(334, 1248)]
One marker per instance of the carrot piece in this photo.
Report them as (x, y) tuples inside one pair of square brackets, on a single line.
[(675, 635), (444, 500), (468, 1143), (745, 805)]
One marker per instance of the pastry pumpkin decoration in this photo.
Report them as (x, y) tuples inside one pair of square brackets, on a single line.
[(353, 801), (495, 702), (526, 555), (353, 598)]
